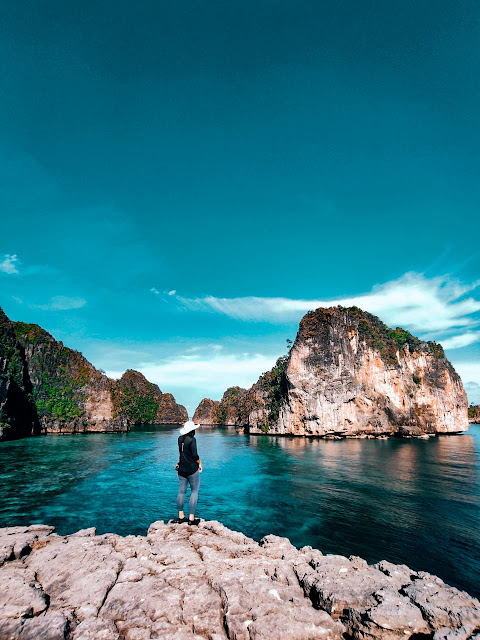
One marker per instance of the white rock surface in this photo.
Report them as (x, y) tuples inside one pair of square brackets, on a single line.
[(208, 582)]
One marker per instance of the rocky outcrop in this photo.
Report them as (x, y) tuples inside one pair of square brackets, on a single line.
[(192, 583), (169, 411), (234, 407), (232, 410), (474, 414), (348, 374), (71, 395), (143, 402), (18, 416), (46, 387), (207, 412)]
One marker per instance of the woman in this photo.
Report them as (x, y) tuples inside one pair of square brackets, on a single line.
[(189, 468)]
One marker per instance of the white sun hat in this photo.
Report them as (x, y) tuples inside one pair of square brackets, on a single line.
[(188, 426)]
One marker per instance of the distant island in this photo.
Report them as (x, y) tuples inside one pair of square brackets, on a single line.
[(46, 387), (346, 375), (474, 414)]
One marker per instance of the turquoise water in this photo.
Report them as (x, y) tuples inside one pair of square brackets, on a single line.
[(410, 501)]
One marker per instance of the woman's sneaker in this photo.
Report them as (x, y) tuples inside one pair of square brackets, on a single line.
[(195, 521), (178, 520)]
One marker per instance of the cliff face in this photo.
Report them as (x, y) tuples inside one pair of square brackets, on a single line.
[(143, 402), (18, 417), (349, 374), (169, 412), (46, 387), (234, 407), (207, 412), (71, 396), (232, 410)]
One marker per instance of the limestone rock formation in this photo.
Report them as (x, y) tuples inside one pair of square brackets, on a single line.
[(71, 396), (192, 583), (348, 374), (207, 412), (169, 411), (143, 402), (232, 410), (46, 387), (234, 407), (18, 416)]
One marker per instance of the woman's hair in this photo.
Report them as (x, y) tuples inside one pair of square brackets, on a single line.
[(191, 433)]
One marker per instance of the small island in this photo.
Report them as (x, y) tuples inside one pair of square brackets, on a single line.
[(348, 375)]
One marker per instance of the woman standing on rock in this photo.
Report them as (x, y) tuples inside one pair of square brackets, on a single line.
[(189, 468)]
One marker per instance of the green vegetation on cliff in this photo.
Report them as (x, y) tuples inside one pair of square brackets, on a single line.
[(232, 406), (31, 333), (474, 413), (389, 341), (375, 332), (138, 409), (274, 383), (136, 398), (56, 397), (58, 373)]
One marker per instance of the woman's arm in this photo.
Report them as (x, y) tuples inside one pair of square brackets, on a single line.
[(195, 455)]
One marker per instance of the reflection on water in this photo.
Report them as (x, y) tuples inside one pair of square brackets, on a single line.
[(410, 501)]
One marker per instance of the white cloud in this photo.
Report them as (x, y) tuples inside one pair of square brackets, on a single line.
[(461, 340), (155, 291), (63, 303), (9, 263), (215, 373), (172, 292), (421, 304)]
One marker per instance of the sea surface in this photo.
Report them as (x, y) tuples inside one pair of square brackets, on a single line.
[(410, 501)]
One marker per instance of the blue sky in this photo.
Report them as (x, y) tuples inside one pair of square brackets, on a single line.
[(181, 182)]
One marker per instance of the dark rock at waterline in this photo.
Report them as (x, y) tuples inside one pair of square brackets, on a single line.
[(18, 416), (181, 582)]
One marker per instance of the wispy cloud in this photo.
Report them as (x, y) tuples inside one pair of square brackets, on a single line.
[(9, 263), (63, 303), (421, 304), (156, 292), (461, 340)]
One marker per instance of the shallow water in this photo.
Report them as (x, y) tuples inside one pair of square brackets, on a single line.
[(409, 501)]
